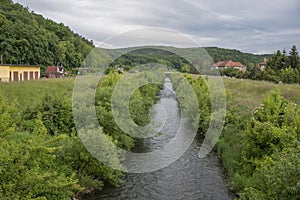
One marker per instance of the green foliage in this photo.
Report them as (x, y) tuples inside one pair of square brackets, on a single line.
[(141, 102), (168, 56), (290, 75), (280, 67), (220, 54), (8, 116), (55, 113), (232, 72), (277, 178), (47, 159), (139, 105), (294, 58), (200, 88), (29, 169), (38, 165), (287, 66), (104, 113), (265, 162), (28, 38), (91, 173), (151, 55)]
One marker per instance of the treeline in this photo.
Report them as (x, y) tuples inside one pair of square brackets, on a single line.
[(281, 67), (221, 54), (29, 38), (171, 57), (41, 155), (138, 57)]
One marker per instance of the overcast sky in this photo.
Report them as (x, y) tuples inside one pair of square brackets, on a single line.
[(257, 26)]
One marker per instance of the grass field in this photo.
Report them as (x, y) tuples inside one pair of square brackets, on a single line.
[(30, 92), (249, 94)]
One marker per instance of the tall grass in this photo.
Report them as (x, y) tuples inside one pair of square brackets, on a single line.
[(249, 94), (246, 94), (29, 93)]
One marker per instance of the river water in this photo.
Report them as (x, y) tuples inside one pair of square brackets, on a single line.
[(188, 178)]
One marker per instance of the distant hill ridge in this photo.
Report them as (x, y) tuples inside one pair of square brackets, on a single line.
[(29, 38)]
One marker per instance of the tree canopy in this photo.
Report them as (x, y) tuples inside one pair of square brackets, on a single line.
[(29, 38)]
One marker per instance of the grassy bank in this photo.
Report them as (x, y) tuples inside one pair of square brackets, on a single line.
[(259, 146), (246, 93), (41, 155), (249, 94)]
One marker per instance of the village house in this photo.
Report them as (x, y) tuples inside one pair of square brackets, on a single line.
[(13, 73), (55, 72), (230, 64), (263, 65)]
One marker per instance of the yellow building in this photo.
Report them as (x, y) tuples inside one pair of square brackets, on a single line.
[(10, 73)]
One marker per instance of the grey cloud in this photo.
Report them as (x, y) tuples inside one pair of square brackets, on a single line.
[(253, 26)]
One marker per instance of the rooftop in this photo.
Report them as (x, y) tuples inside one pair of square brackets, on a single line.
[(229, 63)]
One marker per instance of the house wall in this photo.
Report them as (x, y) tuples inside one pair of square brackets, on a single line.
[(19, 73), (4, 73)]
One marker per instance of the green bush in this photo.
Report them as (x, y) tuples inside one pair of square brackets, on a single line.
[(262, 156), (29, 169), (9, 116)]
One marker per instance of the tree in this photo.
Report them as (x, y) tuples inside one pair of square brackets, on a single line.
[(28, 38), (275, 62), (185, 69), (290, 75), (294, 58)]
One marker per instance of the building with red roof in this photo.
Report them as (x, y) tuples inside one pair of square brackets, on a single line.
[(55, 72), (230, 64)]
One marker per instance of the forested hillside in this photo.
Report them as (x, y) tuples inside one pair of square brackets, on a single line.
[(29, 38), (219, 54), (170, 56)]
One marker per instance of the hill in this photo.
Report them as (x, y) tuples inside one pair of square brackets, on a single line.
[(171, 56), (29, 38), (219, 54)]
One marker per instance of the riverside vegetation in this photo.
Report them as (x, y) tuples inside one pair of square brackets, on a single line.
[(42, 156), (261, 152)]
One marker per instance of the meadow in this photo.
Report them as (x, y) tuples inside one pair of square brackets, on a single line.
[(249, 94), (29, 93), (245, 93)]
